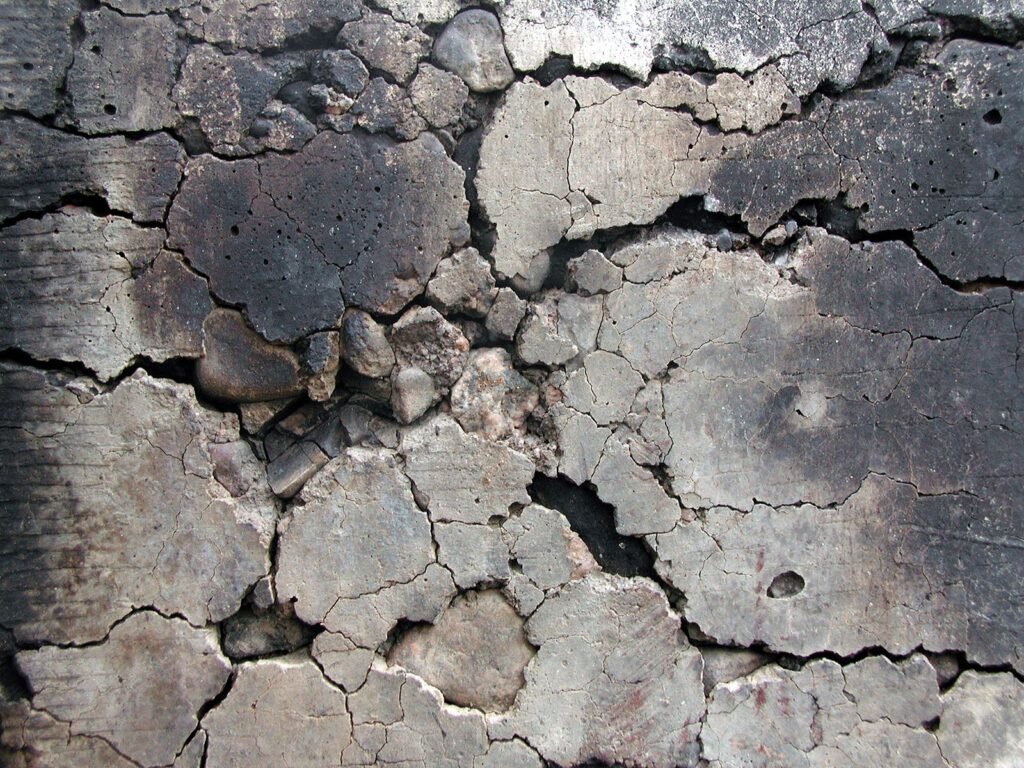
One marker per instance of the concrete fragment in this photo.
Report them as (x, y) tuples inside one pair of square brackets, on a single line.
[(592, 273), (641, 504), (906, 692), (462, 477), (603, 387), (491, 398), (159, 530), (558, 328), (471, 46), (342, 661), (386, 108), (475, 554), (280, 711), (586, 666), (412, 394), (423, 339), (506, 313), (240, 366), (124, 72), (723, 664), (438, 96), (462, 283), (473, 669), (113, 692), (754, 103), (393, 47), (102, 288), (337, 230), (546, 548)]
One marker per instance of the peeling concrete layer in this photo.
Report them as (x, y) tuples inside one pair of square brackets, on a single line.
[(545, 384)]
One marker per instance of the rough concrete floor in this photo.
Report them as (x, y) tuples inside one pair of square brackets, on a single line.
[(544, 384)]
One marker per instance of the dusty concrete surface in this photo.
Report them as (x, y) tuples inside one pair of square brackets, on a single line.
[(540, 384)]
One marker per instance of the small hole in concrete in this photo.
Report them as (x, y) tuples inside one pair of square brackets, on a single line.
[(786, 584), (110, 109), (993, 117)]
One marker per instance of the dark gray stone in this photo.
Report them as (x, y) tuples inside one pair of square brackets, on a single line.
[(36, 40), (471, 46)]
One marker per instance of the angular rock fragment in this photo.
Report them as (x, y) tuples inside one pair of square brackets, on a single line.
[(546, 548), (37, 42), (592, 273), (114, 692), (300, 233), (239, 366), (462, 477), (752, 104), (255, 25), (471, 668), (491, 398), (287, 473), (103, 290), (423, 339), (320, 362), (559, 328), (412, 393), (386, 108), (505, 314), (281, 712), (375, 497), (365, 347), (571, 708), (462, 283), (471, 46), (341, 70), (41, 167), (123, 73), (438, 96), (135, 515), (393, 47)]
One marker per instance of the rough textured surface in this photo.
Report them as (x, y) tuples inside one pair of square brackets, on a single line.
[(424, 385)]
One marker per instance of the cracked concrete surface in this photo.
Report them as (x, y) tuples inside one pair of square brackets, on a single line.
[(402, 383)]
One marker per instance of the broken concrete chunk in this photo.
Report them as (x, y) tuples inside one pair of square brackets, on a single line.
[(422, 338), (258, 633), (391, 46), (463, 477), (509, 754), (462, 283), (581, 442), (471, 668), (121, 696), (238, 365), (412, 394), (103, 290), (906, 692), (37, 41), (123, 73), (981, 723), (641, 504), (506, 313), (592, 273), (558, 328), (279, 711), (438, 96), (547, 549), (42, 166), (723, 664), (471, 46), (754, 103), (184, 544), (492, 398), (586, 666), (603, 387), (365, 347), (475, 554), (357, 531)]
